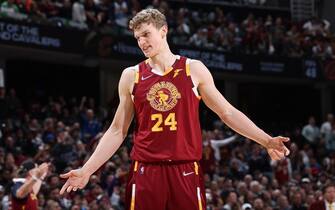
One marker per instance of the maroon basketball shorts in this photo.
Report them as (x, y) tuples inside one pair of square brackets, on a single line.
[(165, 186)]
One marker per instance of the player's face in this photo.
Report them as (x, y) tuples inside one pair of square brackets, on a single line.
[(150, 39)]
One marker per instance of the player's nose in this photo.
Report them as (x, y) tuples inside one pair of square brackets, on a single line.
[(141, 42)]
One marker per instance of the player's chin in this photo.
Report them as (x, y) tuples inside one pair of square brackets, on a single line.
[(146, 55), (149, 53)]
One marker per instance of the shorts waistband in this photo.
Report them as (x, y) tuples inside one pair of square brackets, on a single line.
[(166, 162)]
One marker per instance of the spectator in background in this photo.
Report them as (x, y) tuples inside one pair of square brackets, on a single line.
[(103, 15), (135, 6), (49, 134), (91, 11), (120, 12), (330, 141), (328, 201), (182, 30), (35, 13), (297, 201), (26, 188), (293, 42), (258, 162), (328, 133), (217, 144), (4, 204), (90, 126), (329, 49), (278, 34), (199, 39), (65, 11), (64, 151), (232, 202), (9, 8), (318, 49), (283, 203), (52, 205), (311, 132), (258, 204), (283, 170), (78, 12), (316, 27), (327, 126), (49, 8)]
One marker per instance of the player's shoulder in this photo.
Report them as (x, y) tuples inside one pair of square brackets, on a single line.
[(136, 68), (191, 60), (194, 63), (128, 76), (131, 69), (196, 66), (199, 72)]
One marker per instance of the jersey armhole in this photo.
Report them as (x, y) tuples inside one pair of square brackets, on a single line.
[(136, 79), (188, 73)]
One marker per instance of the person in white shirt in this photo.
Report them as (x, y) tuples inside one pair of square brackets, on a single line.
[(310, 131), (217, 144), (327, 132), (326, 127), (329, 197), (328, 201)]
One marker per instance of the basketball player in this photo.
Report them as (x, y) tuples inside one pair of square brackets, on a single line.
[(26, 187), (163, 94)]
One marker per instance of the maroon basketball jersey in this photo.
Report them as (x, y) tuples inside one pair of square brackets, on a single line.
[(166, 114), (28, 203)]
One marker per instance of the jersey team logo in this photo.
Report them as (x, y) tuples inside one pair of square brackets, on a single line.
[(163, 96)]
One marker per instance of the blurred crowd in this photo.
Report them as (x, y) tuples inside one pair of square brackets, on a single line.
[(206, 29), (238, 173), (253, 35)]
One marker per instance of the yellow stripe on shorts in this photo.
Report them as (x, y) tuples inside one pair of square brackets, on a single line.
[(132, 204), (199, 198)]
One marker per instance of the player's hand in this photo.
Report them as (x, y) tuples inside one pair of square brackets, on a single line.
[(76, 179), (277, 149), (44, 167), (40, 171)]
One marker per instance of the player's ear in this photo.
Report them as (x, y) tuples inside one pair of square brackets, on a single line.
[(164, 31)]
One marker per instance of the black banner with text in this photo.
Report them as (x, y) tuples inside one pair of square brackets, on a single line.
[(41, 36), (126, 48)]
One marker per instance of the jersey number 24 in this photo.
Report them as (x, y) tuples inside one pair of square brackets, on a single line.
[(169, 121)]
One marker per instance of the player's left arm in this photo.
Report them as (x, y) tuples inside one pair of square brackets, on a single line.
[(232, 116)]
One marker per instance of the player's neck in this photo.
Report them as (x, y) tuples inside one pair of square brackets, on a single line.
[(163, 61)]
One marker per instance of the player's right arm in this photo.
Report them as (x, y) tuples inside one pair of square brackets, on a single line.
[(110, 141)]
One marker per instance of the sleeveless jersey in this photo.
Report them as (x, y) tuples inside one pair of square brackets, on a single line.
[(167, 126), (28, 203)]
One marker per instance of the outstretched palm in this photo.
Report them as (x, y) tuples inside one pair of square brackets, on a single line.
[(76, 179)]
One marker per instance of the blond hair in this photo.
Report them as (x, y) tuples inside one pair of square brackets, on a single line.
[(153, 16)]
